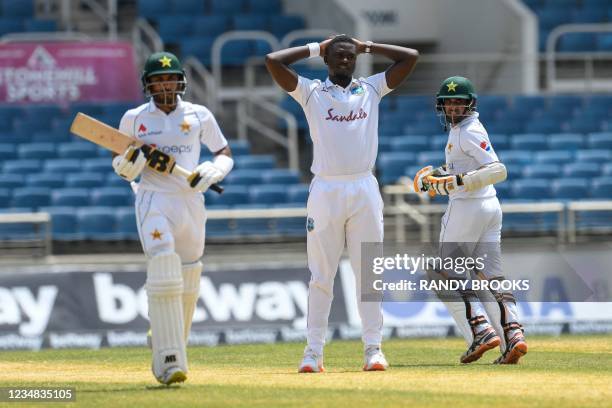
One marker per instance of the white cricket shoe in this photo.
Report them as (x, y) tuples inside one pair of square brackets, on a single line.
[(172, 375), (374, 359), (312, 362)]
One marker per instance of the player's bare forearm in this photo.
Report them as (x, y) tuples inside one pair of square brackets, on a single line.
[(226, 151), (278, 62), (404, 61)]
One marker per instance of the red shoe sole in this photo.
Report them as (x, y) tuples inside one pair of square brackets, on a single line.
[(375, 367), (481, 350), (516, 353), (308, 369)]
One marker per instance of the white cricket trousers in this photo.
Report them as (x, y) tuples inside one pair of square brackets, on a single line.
[(341, 209)]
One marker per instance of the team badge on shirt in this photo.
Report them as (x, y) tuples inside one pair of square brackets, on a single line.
[(157, 235), (185, 127), (142, 128), (449, 147), (357, 90), (309, 224), (485, 146)]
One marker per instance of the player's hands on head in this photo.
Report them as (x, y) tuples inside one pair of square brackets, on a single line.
[(130, 164), (205, 175)]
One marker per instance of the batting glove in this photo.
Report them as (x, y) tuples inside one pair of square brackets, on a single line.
[(444, 184), (130, 164), (420, 179), (205, 175)]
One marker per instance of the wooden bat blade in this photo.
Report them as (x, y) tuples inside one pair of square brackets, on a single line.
[(101, 134)]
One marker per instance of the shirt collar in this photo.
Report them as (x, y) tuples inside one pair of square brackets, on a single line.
[(152, 107), (330, 84), (471, 117)]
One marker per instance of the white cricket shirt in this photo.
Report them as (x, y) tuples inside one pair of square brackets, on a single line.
[(469, 148), (343, 123), (178, 133)]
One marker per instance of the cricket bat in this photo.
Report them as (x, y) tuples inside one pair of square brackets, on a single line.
[(112, 139)]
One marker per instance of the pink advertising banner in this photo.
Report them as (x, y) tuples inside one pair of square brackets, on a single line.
[(64, 72)]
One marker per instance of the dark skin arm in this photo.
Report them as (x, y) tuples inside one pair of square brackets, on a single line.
[(278, 62), (226, 151)]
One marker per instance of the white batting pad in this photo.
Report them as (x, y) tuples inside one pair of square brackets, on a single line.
[(191, 292), (164, 289)]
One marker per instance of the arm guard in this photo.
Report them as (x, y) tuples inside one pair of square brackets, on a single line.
[(488, 174)]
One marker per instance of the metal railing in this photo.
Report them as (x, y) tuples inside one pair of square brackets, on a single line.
[(40, 219), (202, 86), (589, 83), (145, 40)]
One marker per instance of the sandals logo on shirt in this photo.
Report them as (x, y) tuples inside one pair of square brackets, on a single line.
[(331, 115)]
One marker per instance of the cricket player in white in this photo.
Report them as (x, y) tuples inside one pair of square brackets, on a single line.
[(344, 204), (170, 210), (473, 221)]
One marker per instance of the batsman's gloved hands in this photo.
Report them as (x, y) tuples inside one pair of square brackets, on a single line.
[(130, 164), (205, 175), (421, 183), (444, 184)]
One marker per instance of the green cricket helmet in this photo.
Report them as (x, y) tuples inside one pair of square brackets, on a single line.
[(455, 87), (163, 63)]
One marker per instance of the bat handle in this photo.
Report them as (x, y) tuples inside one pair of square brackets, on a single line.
[(186, 173)]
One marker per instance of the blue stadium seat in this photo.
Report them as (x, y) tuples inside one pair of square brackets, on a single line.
[(22, 166), (152, 9), (565, 141), (172, 28), (112, 197), (63, 165), (426, 126), (85, 180), (18, 8), (570, 188), (409, 104), (594, 156), (604, 42), (384, 144), (226, 7), (7, 150), (564, 103), (554, 157), (98, 165), (126, 223), (232, 196), (236, 52), (582, 169), (46, 136), (250, 22), (504, 190), (577, 42), (188, 7), (503, 125), (528, 141), (412, 143), (8, 25), (499, 141), (392, 128), (199, 47), (542, 171), (253, 226), (602, 140), (261, 48), (606, 169), (61, 126), (283, 23), (437, 142), (261, 162), (500, 102), (43, 113), (545, 124), (246, 177), (528, 104), (5, 197), (210, 26), (113, 180), (268, 7), (97, 223), (582, 125), (435, 159), (280, 176), (77, 150), (63, 223), (36, 151), (293, 226), (32, 197), (268, 194), (552, 17), (240, 147), (70, 197), (589, 15), (514, 170), (391, 165), (532, 189), (50, 180), (602, 188), (515, 156), (298, 194), (11, 181)]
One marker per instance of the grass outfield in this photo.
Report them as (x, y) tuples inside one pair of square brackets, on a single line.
[(565, 371)]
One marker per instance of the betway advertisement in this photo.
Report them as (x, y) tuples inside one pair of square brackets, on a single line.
[(109, 309), (64, 72)]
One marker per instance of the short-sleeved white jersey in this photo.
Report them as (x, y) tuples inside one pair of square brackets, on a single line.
[(178, 133), (343, 123), (469, 148)]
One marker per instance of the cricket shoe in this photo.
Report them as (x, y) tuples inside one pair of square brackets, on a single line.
[(172, 375), (483, 342), (312, 362), (516, 348), (374, 359)]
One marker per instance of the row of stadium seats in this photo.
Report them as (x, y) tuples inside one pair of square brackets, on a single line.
[(520, 163), (153, 9), (56, 180), (37, 197)]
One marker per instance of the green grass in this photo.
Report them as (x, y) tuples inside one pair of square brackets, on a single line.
[(565, 371)]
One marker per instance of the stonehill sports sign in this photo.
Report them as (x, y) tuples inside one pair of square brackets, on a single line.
[(63, 72)]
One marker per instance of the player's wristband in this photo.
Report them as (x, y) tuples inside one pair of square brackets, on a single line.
[(315, 49), (224, 163)]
